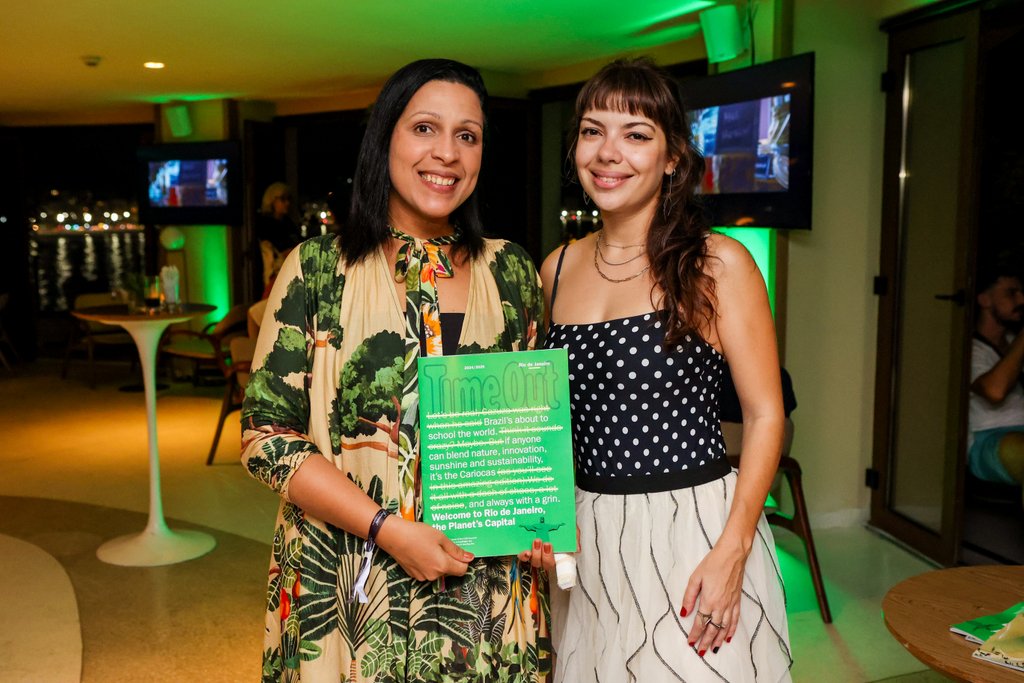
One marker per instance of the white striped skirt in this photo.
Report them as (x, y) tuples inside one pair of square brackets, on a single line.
[(621, 622)]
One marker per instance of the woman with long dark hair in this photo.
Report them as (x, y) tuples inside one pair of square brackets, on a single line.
[(678, 578), (357, 582)]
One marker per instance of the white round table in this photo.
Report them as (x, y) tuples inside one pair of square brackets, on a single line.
[(156, 544)]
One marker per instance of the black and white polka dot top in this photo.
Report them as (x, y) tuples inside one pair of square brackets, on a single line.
[(639, 412)]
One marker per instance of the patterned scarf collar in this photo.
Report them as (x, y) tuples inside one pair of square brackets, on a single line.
[(420, 262)]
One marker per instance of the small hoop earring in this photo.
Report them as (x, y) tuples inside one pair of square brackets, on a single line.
[(586, 199)]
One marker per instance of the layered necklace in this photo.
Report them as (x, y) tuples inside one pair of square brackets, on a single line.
[(599, 257)]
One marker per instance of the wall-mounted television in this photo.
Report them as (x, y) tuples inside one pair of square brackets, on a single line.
[(755, 127), (190, 183)]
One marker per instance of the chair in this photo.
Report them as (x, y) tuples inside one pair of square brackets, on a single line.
[(209, 349), (799, 523), (255, 320), (4, 339), (86, 335), (991, 494), (242, 351)]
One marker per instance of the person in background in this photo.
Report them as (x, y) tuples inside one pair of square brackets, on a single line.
[(995, 450), (275, 232), (357, 588), (678, 578)]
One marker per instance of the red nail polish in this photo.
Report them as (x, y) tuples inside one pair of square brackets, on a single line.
[(701, 653), (728, 640), (692, 643), (683, 613)]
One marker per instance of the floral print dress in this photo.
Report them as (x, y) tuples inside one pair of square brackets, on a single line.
[(330, 377)]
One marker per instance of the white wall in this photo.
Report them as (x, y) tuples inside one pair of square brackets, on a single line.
[(832, 314)]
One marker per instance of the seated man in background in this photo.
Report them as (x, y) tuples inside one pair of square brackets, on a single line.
[(995, 443)]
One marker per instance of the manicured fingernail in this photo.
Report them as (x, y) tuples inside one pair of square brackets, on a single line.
[(536, 543), (691, 643), (683, 613), (701, 653), (547, 547), (714, 651), (729, 639)]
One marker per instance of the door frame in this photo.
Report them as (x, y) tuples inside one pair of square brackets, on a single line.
[(942, 546)]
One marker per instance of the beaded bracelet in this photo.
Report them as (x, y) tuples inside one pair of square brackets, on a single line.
[(359, 586)]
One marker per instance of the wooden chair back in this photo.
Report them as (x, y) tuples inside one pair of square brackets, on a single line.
[(799, 522)]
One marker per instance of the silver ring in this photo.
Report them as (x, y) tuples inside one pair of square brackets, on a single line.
[(711, 623)]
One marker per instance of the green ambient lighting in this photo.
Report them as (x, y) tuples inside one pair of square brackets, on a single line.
[(760, 242), (212, 280), (796, 575), (187, 97), (683, 9)]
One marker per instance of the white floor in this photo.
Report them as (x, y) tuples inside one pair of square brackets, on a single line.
[(65, 441)]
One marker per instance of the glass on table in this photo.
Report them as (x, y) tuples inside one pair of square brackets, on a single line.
[(151, 293)]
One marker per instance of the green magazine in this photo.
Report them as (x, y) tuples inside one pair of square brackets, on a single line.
[(496, 450), (981, 629)]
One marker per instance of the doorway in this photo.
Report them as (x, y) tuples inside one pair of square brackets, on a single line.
[(948, 72), (993, 519)]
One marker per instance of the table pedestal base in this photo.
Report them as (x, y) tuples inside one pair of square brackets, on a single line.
[(150, 549)]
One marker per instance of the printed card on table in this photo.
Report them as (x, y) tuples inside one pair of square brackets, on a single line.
[(496, 450)]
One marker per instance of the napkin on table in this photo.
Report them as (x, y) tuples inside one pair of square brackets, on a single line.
[(169, 283)]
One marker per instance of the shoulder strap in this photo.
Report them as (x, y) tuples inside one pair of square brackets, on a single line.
[(554, 285)]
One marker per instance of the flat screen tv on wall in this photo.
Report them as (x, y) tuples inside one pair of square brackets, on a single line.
[(190, 183), (755, 127)]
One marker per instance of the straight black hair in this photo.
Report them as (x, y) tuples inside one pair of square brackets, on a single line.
[(367, 225)]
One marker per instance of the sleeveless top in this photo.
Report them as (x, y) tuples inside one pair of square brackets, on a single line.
[(643, 419)]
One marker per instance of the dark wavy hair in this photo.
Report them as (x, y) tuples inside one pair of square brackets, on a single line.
[(676, 239), (367, 225)]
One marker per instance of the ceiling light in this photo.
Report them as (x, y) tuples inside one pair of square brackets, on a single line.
[(154, 65)]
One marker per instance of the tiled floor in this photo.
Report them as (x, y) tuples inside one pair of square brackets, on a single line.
[(65, 442)]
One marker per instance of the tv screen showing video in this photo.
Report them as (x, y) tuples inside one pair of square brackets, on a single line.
[(745, 145), (188, 183), (755, 129)]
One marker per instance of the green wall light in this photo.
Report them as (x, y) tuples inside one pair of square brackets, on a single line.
[(760, 242)]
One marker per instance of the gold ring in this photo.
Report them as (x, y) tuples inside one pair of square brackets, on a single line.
[(702, 615)]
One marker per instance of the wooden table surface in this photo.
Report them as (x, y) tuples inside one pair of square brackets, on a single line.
[(920, 610)]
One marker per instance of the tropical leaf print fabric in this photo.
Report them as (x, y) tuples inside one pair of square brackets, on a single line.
[(329, 378)]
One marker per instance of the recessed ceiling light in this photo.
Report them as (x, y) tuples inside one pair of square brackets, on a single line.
[(154, 65)]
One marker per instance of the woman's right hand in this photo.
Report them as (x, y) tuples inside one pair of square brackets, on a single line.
[(422, 551), (540, 556)]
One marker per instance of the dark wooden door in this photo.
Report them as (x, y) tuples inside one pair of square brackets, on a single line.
[(927, 257)]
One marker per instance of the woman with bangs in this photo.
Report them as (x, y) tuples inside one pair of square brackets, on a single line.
[(674, 546)]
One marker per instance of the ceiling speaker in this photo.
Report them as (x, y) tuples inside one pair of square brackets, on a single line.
[(178, 120), (723, 36)]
